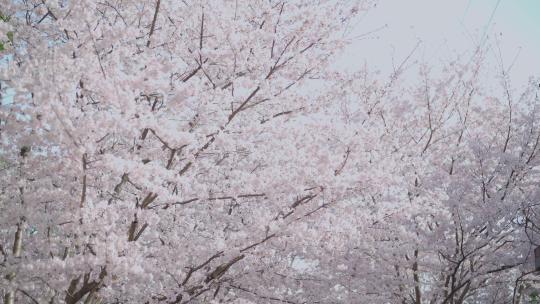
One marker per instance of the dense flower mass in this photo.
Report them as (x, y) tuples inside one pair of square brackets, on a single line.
[(164, 151)]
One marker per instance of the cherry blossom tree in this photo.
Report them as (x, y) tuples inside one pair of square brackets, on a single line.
[(207, 152), (156, 151), (455, 220)]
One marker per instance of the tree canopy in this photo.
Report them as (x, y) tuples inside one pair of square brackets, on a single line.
[(165, 151)]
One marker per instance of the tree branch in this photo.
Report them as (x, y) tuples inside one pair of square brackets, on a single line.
[(153, 26)]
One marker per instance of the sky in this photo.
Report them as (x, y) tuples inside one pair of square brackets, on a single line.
[(446, 28)]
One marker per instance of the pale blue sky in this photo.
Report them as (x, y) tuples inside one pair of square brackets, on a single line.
[(448, 27)]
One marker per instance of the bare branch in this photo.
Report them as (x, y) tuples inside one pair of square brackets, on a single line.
[(153, 26)]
